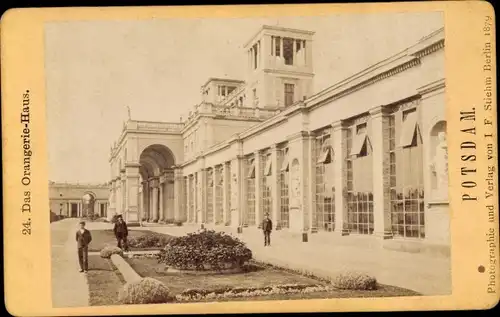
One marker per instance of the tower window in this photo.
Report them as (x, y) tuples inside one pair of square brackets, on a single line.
[(255, 52), (289, 92), (278, 46), (288, 50)]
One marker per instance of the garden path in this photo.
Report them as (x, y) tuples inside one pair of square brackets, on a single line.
[(426, 274), (69, 286)]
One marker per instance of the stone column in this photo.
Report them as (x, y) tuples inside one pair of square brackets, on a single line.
[(311, 183), (237, 187), (154, 197), (161, 198), (201, 207), (281, 47), (225, 188), (179, 196), (216, 214), (145, 201), (118, 195), (339, 166), (189, 198), (258, 191), (124, 193), (140, 203), (112, 208), (131, 190), (381, 194), (275, 187)]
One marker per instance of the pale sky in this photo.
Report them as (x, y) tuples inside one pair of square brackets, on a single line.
[(156, 67)]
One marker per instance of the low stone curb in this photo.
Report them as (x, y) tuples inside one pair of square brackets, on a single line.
[(125, 269)]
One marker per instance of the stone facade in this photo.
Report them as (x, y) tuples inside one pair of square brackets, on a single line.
[(363, 157), (77, 200)]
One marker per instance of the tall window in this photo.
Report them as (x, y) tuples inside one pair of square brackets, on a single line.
[(288, 50), (278, 46), (255, 55), (406, 174), (210, 196), (255, 100), (289, 93), (284, 181), (359, 180), (325, 189), (219, 182), (103, 210), (249, 218), (265, 191)]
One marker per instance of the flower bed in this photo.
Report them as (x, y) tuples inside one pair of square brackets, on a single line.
[(225, 293), (102, 238), (205, 250), (151, 240)]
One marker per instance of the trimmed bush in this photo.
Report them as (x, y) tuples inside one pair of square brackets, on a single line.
[(92, 216), (148, 241), (355, 281), (178, 223), (145, 291), (108, 251), (205, 250)]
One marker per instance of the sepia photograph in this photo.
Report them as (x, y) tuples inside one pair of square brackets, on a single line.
[(247, 159)]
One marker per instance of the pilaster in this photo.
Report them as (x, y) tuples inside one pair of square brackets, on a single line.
[(161, 198), (381, 194), (226, 185), (258, 190), (154, 184), (179, 195), (237, 187), (275, 186), (202, 197), (340, 180)]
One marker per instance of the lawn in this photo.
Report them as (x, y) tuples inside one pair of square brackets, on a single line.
[(105, 282), (256, 277), (101, 238)]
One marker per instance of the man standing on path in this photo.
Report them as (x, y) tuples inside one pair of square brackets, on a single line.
[(121, 233), (267, 226), (83, 239)]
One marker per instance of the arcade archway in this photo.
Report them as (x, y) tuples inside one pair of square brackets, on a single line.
[(156, 193)]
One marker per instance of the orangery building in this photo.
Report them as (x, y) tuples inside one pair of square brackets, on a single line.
[(366, 156)]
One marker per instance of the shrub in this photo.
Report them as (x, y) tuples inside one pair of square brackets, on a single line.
[(178, 223), (355, 281), (205, 249), (92, 216), (148, 241), (108, 251), (144, 291)]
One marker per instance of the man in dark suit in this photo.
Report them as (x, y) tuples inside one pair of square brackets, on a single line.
[(267, 226), (83, 239), (121, 233)]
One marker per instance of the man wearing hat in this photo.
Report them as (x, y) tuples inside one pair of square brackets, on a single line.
[(267, 226), (121, 233), (83, 239)]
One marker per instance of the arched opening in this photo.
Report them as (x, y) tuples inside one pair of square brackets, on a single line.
[(156, 195), (88, 202)]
